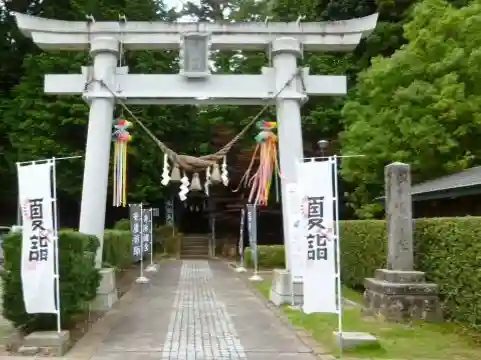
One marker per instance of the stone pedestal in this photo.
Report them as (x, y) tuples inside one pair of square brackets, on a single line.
[(51, 343), (281, 289), (106, 292), (402, 296)]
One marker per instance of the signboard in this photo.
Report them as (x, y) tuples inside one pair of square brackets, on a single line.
[(136, 229), (147, 231), (319, 242), (169, 212), (38, 238)]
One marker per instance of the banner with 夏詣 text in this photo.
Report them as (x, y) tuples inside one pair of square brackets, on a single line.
[(38, 237), (316, 187)]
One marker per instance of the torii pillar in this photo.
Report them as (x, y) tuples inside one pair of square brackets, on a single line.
[(104, 51), (286, 41)]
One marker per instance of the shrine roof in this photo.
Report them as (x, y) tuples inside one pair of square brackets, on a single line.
[(462, 183), (466, 182)]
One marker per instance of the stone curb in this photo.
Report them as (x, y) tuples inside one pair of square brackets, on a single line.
[(301, 334)]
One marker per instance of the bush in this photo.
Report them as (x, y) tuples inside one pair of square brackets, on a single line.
[(168, 239), (163, 232), (78, 280), (117, 251), (360, 237), (122, 224), (449, 251), (269, 256)]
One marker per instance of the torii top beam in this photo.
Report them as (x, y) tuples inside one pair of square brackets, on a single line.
[(52, 34)]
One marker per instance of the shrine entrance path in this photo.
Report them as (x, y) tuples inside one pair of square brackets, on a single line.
[(198, 310)]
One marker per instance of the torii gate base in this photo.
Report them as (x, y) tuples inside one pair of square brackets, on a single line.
[(286, 41)]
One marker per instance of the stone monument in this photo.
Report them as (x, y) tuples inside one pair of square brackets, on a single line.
[(399, 293)]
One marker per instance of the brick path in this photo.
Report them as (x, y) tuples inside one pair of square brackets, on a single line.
[(199, 310)]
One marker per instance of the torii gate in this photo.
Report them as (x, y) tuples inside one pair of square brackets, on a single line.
[(194, 84)]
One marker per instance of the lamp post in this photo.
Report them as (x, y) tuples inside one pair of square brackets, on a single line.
[(323, 144)]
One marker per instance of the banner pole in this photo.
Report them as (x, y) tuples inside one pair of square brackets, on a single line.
[(55, 240), (152, 267), (241, 268), (141, 279), (338, 254)]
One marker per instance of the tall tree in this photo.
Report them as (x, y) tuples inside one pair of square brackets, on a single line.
[(40, 126), (422, 105)]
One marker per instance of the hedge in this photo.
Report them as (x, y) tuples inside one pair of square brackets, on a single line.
[(117, 251), (360, 237), (122, 224), (447, 249), (78, 280), (269, 256)]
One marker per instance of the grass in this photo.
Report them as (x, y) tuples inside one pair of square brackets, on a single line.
[(419, 341)]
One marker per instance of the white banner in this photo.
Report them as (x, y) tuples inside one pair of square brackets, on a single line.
[(295, 256), (38, 242), (317, 194)]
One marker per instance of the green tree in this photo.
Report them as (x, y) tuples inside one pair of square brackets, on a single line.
[(39, 126), (421, 106)]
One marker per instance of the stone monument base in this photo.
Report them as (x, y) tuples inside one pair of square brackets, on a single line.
[(281, 289), (51, 343), (402, 296), (106, 292)]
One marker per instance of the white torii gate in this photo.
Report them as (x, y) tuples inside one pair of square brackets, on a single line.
[(286, 41)]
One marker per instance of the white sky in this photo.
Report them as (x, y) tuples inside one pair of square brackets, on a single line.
[(177, 3)]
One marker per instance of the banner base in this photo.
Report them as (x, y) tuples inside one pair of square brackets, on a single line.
[(151, 268), (142, 280), (256, 277), (240, 269)]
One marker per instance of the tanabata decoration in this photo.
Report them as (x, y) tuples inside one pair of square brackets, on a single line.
[(261, 181), (121, 137)]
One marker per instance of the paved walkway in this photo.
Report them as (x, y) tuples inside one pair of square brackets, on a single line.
[(199, 310)]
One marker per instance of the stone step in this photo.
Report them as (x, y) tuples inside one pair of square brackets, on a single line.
[(195, 251), (195, 242), (191, 256), (28, 350), (194, 246)]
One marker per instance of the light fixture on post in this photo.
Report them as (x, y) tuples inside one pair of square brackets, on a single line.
[(323, 145)]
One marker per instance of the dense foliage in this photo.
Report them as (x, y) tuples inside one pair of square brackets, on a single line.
[(446, 249), (420, 106), (117, 250), (34, 125), (79, 280)]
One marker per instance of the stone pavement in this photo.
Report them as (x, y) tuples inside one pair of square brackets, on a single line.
[(199, 310)]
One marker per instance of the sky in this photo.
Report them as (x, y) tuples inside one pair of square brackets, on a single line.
[(176, 3)]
